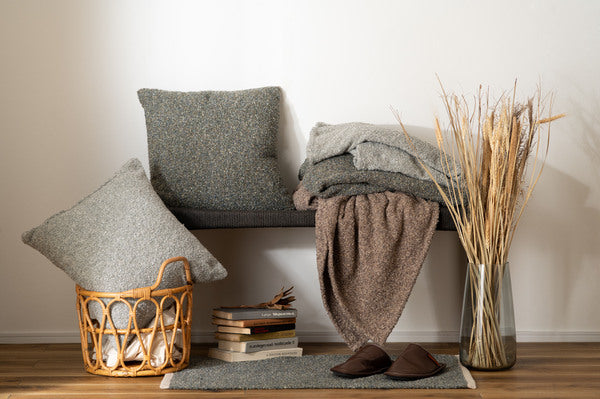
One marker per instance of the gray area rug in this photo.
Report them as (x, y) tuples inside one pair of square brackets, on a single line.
[(306, 372)]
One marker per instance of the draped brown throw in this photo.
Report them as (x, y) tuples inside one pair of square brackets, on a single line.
[(370, 249)]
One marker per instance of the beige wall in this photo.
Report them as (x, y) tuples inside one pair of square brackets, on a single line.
[(69, 117)]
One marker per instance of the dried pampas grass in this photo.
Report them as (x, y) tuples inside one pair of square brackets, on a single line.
[(491, 143)]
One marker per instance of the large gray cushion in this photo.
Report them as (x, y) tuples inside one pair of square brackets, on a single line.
[(116, 238), (215, 149)]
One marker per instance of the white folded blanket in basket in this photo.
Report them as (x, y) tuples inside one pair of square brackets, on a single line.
[(134, 351)]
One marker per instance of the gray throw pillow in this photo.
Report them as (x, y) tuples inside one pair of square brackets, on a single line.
[(116, 238), (215, 149)]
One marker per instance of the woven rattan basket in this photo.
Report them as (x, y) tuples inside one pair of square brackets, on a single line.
[(175, 337)]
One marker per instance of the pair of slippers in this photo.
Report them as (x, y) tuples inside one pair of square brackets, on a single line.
[(413, 363)]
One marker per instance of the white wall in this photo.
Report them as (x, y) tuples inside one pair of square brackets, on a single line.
[(69, 117)]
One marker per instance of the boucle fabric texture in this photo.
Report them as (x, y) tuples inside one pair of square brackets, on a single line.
[(116, 239), (304, 199), (376, 147), (305, 372), (378, 156), (370, 249), (195, 219), (215, 149), (338, 176), (306, 202)]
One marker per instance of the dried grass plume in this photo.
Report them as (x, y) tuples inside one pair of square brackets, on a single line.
[(492, 143)]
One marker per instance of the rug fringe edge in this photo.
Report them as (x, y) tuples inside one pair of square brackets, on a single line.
[(466, 374), (165, 383)]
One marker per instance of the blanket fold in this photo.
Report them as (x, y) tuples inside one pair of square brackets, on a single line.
[(378, 147), (338, 176), (370, 249)]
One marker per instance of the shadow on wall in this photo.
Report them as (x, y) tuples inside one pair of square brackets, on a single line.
[(563, 234), (291, 143), (259, 263), (561, 225), (589, 126), (446, 277)]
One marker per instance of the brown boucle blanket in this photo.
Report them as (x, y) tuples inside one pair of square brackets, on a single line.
[(304, 199), (370, 249)]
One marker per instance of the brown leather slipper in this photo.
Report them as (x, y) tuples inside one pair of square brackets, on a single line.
[(414, 363), (368, 360)]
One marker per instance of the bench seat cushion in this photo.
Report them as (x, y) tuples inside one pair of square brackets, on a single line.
[(197, 219)]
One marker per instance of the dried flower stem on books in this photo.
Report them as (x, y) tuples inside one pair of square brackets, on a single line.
[(282, 300)]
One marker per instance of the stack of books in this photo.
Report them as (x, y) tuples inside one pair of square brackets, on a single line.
[(254, 334)]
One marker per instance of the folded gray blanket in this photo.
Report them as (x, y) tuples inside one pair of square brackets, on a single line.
[(377, 147), (370, 249), (338, 176)]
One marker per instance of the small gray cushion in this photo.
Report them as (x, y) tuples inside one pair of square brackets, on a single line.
[(116, 238), (215, 149)]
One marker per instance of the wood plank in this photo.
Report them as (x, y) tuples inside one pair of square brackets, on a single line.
[(544, 394), (365, 393), (145, 395), (558, 370)]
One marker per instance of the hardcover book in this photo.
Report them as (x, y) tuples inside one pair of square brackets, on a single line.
[(252, 322), (259, 345), (230, 356), (255, 337), (253, 313), (256, 329)]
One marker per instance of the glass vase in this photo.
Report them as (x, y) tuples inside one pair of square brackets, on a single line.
[(487, 333)]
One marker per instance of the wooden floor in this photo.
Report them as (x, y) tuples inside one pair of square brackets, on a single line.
[(545, 370)]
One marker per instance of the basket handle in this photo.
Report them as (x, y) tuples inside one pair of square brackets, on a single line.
[(186, 266)]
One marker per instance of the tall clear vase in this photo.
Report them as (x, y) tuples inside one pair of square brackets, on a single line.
[(487, 333)]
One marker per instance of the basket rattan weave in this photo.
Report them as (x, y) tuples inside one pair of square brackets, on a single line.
[(93, 331)]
